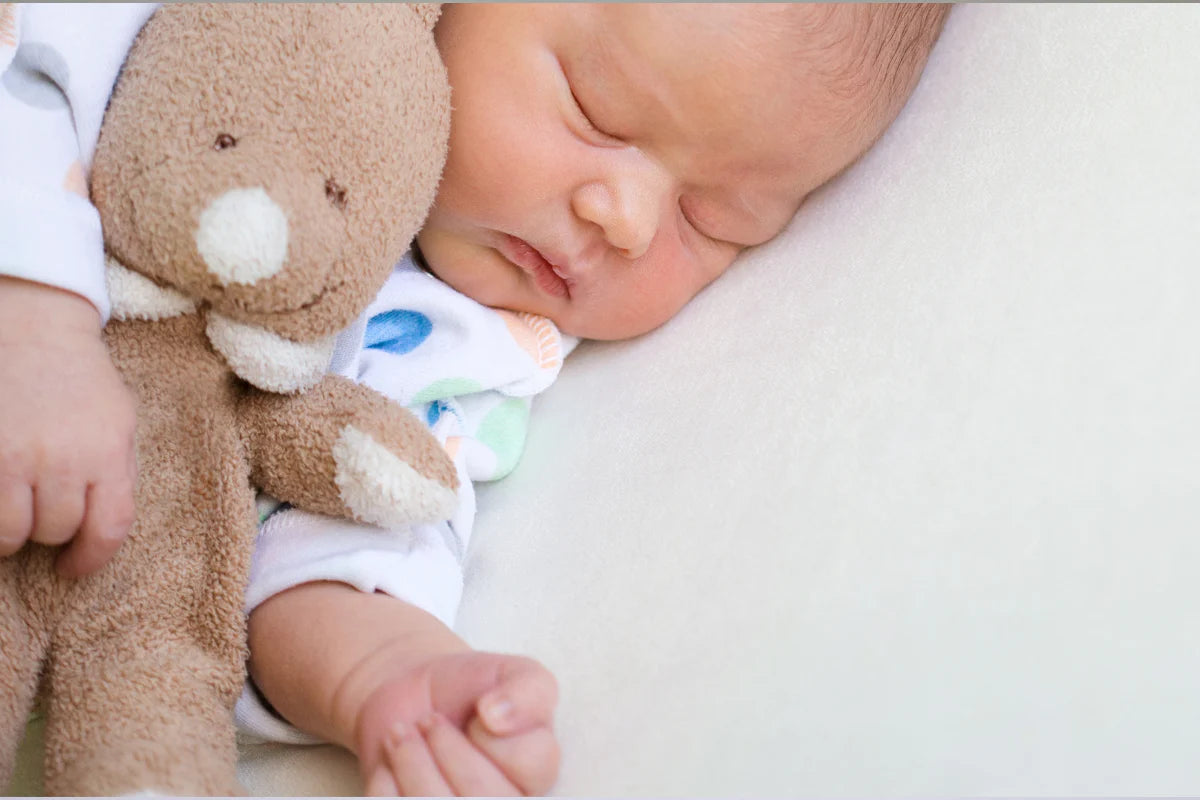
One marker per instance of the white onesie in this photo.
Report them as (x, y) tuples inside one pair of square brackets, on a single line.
[(467, 370), (470, 372)]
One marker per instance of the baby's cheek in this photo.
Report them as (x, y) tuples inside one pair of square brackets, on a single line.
[(664, 291), (686, 270)]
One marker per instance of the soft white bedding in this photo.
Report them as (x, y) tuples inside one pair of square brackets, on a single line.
[(907, 504)]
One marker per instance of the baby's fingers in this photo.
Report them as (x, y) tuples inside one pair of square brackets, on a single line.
[(16, 515), (469, 772), (408, 767), (382, 784), (58, 506), (529, 759), (525, 698), (105, 526)]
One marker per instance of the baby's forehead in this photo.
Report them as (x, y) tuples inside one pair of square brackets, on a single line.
[(723, 67), (696, 44), (725, 85)]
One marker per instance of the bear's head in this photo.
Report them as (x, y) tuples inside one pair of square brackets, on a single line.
[(271, 162)]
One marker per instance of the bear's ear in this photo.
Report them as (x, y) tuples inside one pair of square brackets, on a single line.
[(428, 13)]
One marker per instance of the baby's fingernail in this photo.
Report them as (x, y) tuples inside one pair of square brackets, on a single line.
[(397, 734), (496, 712)]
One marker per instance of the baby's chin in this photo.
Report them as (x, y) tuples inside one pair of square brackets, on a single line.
[(607, 328)]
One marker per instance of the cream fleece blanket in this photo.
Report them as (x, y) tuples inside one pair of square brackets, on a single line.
[(909, 503)]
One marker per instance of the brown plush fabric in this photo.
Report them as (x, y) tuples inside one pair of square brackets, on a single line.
[(340, 115), (260, 74), (292, 438)]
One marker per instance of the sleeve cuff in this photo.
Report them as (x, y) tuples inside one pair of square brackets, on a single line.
[(53, 239), (258, 724), (294, 547)]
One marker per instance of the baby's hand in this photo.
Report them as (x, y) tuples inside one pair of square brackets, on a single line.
[(483, 727), (67, 462)]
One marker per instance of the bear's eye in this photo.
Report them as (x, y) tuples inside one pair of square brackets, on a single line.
[(223, 141), (335, 193)]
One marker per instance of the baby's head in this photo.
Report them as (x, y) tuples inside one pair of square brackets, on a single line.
[(608, 162)]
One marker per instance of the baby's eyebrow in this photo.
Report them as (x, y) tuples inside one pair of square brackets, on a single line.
[(626, 84), (604, 84)]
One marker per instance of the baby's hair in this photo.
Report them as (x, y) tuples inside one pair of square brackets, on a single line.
[(900, 37), (889, 44)]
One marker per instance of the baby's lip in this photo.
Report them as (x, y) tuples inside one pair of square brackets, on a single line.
[(559, 263), (550, 272)]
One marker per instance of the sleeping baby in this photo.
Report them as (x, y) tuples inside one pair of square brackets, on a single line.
[(606, 163)]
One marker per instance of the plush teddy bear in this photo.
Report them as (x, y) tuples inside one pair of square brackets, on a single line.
[(259, 171)]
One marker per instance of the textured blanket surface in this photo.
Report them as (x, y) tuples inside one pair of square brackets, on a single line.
[(908, 503)]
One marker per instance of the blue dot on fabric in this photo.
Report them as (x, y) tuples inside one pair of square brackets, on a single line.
[(435, 412), (398, 331)]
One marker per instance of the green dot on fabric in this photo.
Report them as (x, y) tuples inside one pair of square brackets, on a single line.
[(446, 387), (503, 432)]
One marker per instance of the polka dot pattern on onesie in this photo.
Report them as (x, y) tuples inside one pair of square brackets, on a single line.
[(535, 335), (8, 25), (75, 181), (398, 331), (39, 84)]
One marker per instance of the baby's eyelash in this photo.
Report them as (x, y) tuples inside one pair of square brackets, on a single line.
[(583, 113), (700, 231), (586, 118), (691, 222)]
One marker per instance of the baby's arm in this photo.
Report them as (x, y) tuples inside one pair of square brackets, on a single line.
[(350, 640), (424, 713), (350, 636), (66, 419), (66, 429)]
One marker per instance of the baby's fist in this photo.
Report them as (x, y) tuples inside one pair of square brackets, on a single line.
[(67, 466)]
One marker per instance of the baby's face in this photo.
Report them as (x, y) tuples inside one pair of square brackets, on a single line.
[(608, 162)]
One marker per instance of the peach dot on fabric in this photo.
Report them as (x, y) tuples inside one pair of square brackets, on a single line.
[(8, 25), (536, 336), (451, 446), (75, 180)]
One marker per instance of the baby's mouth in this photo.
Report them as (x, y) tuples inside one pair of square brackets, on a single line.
[(547, 277)]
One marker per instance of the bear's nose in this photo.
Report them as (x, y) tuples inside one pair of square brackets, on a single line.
[(243, 236)]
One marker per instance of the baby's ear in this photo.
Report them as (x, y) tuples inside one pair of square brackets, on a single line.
[(428, 13)]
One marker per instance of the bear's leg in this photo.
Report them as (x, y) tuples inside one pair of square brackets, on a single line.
[(343, 449), (117, 722), (21, 650)]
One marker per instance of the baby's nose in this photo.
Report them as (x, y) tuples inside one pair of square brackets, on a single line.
[(625, 219), (627, 206), (243, 236), (635, 227)]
